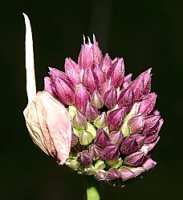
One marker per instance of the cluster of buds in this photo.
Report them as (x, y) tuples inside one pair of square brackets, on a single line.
[(114, 126), (92, 117)]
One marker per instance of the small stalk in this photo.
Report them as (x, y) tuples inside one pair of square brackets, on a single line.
[(92, 190)]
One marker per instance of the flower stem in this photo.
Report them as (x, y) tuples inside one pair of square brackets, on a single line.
[(92, 189)]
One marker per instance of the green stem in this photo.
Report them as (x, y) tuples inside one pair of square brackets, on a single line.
[(92, 189)]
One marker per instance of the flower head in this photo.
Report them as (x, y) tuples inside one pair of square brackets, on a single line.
[(94, 118), (118, 125)]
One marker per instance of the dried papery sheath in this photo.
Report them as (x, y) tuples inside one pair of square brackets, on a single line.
[(46, 118), (94, 118)]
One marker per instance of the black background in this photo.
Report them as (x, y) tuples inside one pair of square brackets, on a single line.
[(146, 33)]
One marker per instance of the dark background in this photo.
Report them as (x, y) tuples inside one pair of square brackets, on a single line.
[(146, 33)]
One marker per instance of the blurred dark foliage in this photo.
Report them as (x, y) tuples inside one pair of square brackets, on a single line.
[(146, 33)]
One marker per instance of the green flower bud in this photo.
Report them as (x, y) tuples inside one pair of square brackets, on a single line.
[(99, 165), (115, 163), (85, 138), (73, 163), (100, 121)]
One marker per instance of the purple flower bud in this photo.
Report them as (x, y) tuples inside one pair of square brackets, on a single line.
[(100, 75), (79, 121), (85, 58), (100, 121), (127, 81), (81, 98), (90, 80), (91, 112), (125, 97), (113, 174), (136, 124), (110, 152), (64, 91), (97, 100), (72, 71), (85, 158), (141, 85), (146, 148), (49, 86), (151, 138), (150, 122), (115, 119), (97, 54), (90, 54), (126, 173), (116, 137), (101, 175), (55, 73), (102, 139), (131, 144), (147, 104), (149, 164), (107, 85), (137, 170), (155, 129), (95, 151), (106, 63), (74, 140), (116, 72), (134, 159), (110, 98)]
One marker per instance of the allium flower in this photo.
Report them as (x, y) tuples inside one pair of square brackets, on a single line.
[(111, 115), (110, 118)]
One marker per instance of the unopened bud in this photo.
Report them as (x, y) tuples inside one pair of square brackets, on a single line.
[(102, 139), (110, 152), (79, 121), (134, 159), (84, 158), (97, 100), (115, 119), (100, 121)]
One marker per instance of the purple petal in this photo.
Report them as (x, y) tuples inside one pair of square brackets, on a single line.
[(116, 137), (149, 164), (97, 54), (49, 86), (106, 63), (125, 97), (90, 80), (141, 85), (126, 173), (115, 119), (110, 98), (85, 158), (150, 122), (102, 139), (81, 98), (91, 112), (106, 86), (95, 151), (85, 58), (116, 72), (110, 152), (64, 91), (100, 75), (72, 71), (113, 174), (134, 159), (147, 104), (131, 144), (136, 124)]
